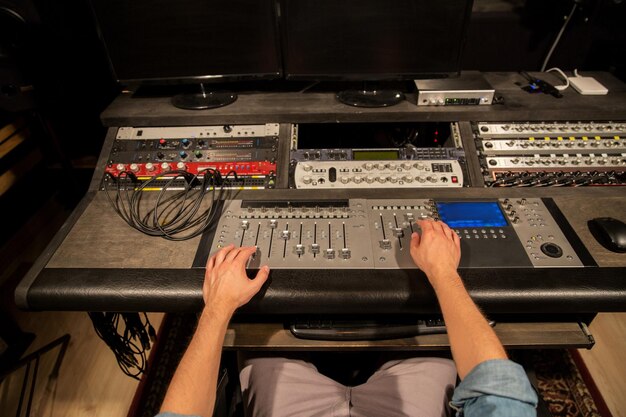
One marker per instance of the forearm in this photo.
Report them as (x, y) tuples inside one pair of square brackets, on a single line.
[(193, 387), (472, 340)]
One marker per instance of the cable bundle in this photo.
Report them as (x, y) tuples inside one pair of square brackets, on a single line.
[(176, 213), (128, 344)]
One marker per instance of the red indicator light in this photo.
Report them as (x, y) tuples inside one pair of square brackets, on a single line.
[(455, 179)]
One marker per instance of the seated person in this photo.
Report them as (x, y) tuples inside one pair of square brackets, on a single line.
[(491, 385)]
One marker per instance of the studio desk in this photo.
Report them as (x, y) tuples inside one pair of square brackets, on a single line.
[(96, 262)]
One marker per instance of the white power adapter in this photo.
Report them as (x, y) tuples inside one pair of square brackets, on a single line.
[(588, 86)]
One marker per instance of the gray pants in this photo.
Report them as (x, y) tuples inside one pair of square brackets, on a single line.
[(279, 387)]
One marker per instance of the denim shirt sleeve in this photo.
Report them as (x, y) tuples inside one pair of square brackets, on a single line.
[(496, 387)]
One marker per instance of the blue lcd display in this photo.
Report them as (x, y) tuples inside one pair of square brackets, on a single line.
[(472, 214)]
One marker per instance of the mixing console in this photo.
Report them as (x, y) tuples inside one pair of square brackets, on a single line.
[(250, 151), (363, 233), (552, 154)]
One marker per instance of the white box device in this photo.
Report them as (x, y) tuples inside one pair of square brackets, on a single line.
[(588, 86)]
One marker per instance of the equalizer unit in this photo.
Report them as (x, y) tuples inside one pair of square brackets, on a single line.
[(244, 154), (370, 233), (552, 154)]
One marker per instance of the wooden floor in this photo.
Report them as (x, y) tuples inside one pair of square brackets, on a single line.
[(607, 360), (91, 384)]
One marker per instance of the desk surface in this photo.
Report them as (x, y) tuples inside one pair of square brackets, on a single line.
[(97, 262)]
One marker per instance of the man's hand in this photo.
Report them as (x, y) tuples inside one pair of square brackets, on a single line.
[(437, 251), (226, 284)]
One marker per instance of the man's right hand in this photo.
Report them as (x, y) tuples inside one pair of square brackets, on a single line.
[(437, 251)]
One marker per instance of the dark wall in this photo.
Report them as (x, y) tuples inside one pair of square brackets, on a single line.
[(517, 35)]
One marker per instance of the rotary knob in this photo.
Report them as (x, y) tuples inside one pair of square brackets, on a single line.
[(150, 166), (165, 166), (369, 179), (406, 165), (421, 179), (120, 167), (134, 167), (181, 166), (306, 167), (307, 179), (345, 180), (381, 180), (407, 179), (358, 180), (368, 166), (393, 179), (392, 166), (419, 166)]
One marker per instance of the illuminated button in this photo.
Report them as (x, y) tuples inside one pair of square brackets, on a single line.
[(162, 143), (455, 179)]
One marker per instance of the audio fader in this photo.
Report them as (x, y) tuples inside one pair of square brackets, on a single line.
[(365, 234)]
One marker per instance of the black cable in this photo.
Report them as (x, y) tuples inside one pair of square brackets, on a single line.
[(177, 213), (128, 337)]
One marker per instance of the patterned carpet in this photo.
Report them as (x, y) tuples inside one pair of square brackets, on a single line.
[(560, 383), (555, 373)]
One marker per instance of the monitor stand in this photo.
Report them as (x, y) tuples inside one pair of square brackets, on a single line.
[(368, 97), (203, 100)]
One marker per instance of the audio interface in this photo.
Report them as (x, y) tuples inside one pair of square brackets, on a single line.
[(246, 154), (552, 153)]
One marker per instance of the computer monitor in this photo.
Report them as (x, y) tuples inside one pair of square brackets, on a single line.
[(372, 40), (190, 41)]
